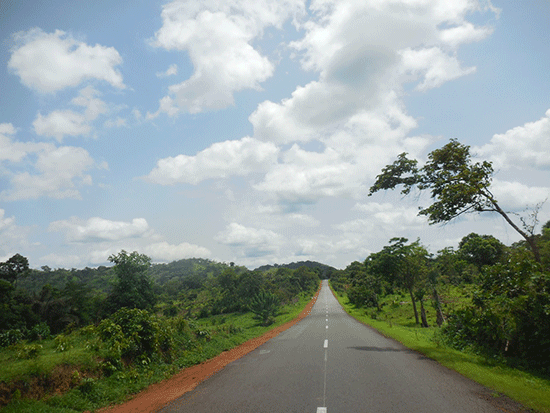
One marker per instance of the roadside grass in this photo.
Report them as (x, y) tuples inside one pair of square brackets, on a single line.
[(397, 321), (210, 336)]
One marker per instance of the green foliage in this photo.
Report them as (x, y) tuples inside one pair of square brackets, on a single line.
[(133, 334), (265, 306), (9, 337), (457, 185), (133, 288), (481, 250), (17, 266), (509, 315), (40, 331), (29, 351)]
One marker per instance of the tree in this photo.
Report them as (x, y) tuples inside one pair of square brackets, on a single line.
[(457, 185), (403, 265), (481, 249), (13, 268), (133, 288)]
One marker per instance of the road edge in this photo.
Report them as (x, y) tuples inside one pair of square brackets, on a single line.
[(158, 395)]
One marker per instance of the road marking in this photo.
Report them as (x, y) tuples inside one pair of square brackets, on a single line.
[(326, 343), (321, 410), (327, 326)]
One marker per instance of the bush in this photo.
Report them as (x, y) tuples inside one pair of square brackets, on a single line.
[(9, 337), (265, 307), (509, 315), (29, 351), (133, 334), (39, 331)]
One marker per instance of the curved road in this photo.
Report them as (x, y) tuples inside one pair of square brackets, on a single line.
[(331, 363)]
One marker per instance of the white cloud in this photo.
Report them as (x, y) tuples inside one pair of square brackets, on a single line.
[(98, 229), (48, 62), (15, 151), (251, 242), (171, 71), (54, 260), (436, 66), (163, 251), (218, 36), (61, 123), (515, 195), (12, 237), (60, 172), (526, 146), (220, 160)]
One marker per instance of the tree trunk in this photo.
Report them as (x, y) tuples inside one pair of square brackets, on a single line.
[(423, 314), (529, 238), (440, 317), (414, 306)]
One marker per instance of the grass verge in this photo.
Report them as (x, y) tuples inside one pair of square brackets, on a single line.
[(530, 390)]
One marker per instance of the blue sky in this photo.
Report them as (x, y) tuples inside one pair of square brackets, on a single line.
[(251, 131)]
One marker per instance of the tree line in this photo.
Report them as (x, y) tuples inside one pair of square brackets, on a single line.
[(192, 288)]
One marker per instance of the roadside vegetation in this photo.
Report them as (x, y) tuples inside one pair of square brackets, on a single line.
[(482, 309), (105, 345)]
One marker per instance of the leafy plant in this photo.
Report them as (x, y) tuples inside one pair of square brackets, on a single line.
[(265, 306)]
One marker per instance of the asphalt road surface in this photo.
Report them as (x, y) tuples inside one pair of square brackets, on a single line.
[(330, 363)]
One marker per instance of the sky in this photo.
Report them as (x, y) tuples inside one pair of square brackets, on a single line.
[(251, 132)]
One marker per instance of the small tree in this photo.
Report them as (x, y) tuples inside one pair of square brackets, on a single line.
[(457, 185), (265, 306), (133, 288), (16, 267)]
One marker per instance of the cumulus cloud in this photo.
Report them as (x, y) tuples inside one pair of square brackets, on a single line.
[(220, 160), (526, 146), (252, 241), (96, 229), (515, 195), (163, 251), (12, 236), (61, 123), (14, 151), (48, 62), (60, 171), (218, 36), (436, 66)]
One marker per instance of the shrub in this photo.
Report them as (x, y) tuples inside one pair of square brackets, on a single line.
[(265, 307), (39, 331), (9, 337), (29, 351), (133, 334)]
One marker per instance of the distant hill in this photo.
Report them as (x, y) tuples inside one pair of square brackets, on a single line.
[(323, 270), (185, 273)]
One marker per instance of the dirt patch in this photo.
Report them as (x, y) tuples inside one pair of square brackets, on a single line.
[(61, 379), (158, 395)]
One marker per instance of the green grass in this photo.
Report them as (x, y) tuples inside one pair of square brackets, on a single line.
[(222, 332), (397, 321)]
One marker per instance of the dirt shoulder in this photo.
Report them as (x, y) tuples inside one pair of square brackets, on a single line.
[(160, 394)]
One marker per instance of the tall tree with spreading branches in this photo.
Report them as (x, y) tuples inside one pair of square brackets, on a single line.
[(457, 185)]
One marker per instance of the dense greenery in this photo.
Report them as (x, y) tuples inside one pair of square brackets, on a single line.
[(149, 321), (505, 313)]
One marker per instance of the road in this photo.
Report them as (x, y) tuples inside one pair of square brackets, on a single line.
[(331, 363)]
